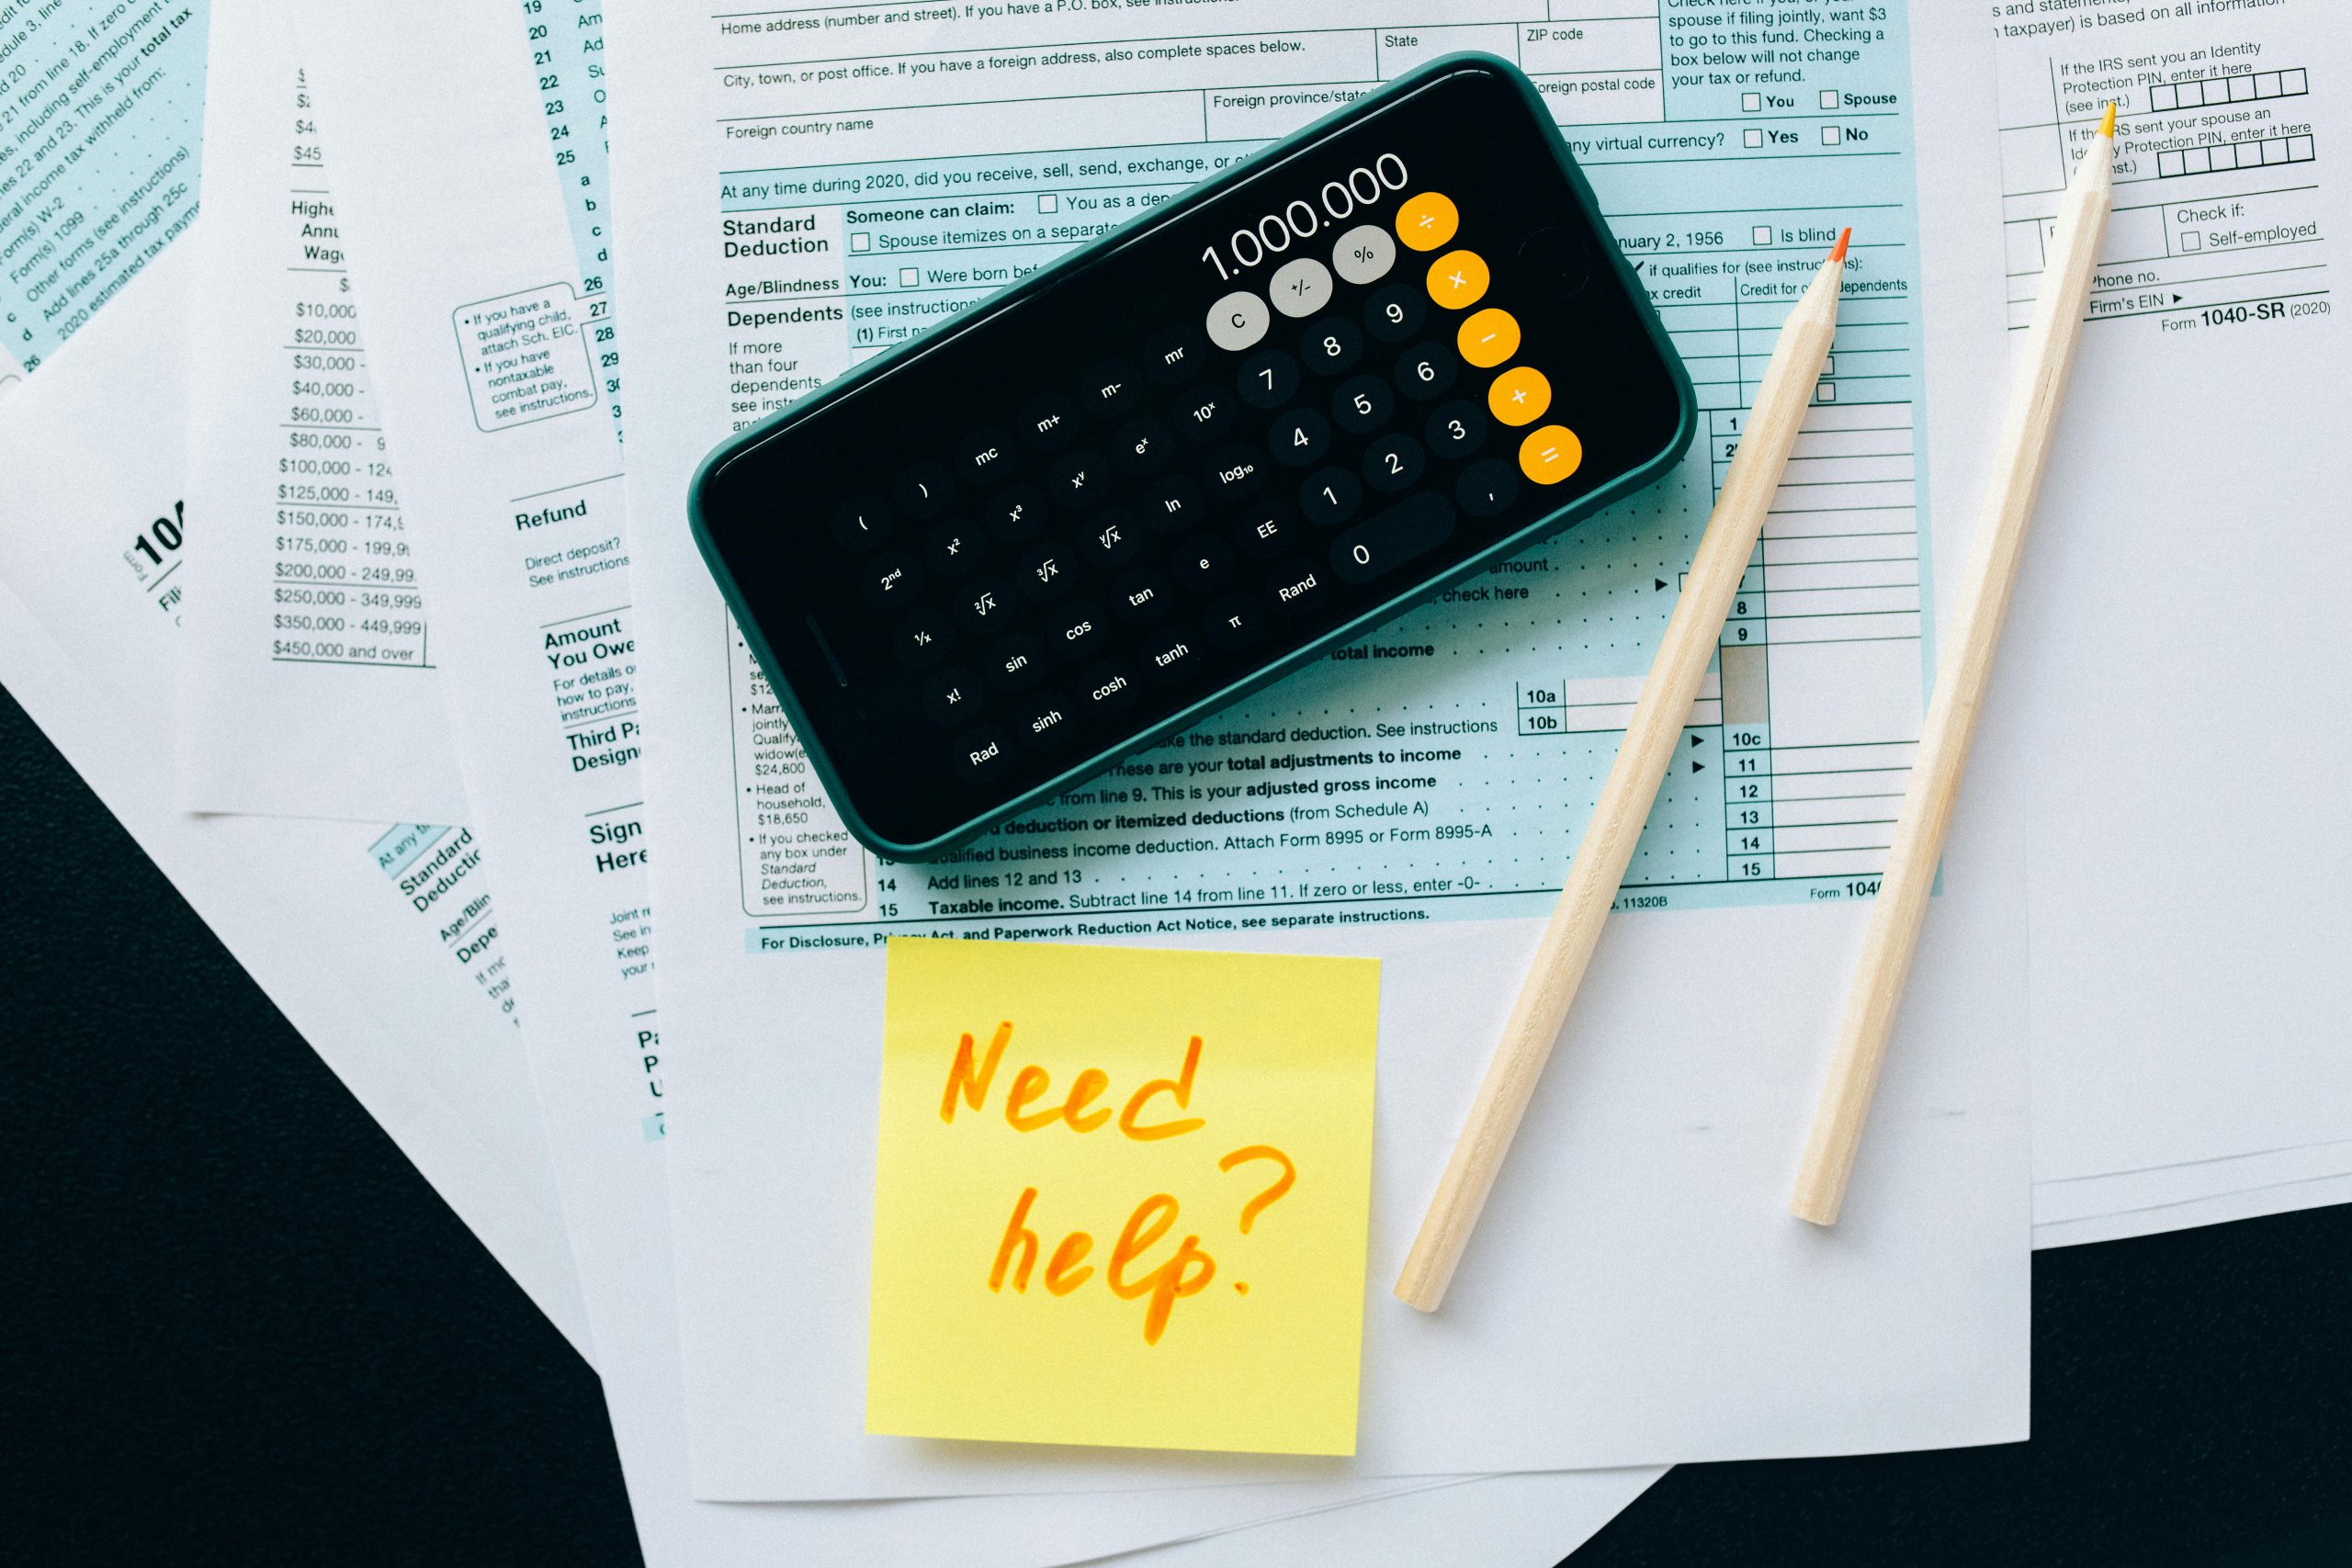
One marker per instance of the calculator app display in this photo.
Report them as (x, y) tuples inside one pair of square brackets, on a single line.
[(1188, 457)]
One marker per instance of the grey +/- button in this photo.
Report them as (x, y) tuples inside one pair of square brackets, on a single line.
[(1238, 320), (1364, 254), (1301, 287)]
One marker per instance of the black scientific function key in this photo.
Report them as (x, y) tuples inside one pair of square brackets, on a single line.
[(985, 457), (1173, 504), (1110, 390), (1202, 564), (1176, 355), (892, 579), (1015, 663), (1203, 413), (952, 696), (922, 639), (1049, 421), (1044, 721), (982, 754), (1076, 631), (861, 522), (921, 491), (1015, 513)]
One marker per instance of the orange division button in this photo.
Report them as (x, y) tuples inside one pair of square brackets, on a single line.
[(1427, 221), (1549, 454), (1519, 394), (1458, 279), (1488, 337)]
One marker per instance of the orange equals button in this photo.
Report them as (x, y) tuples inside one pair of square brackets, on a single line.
[(1549, 454)]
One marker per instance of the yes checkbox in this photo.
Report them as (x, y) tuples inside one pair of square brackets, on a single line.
[(1752, 138)]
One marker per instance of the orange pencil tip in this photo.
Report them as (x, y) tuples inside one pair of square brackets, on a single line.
[(2107, 126), (1839, 254)]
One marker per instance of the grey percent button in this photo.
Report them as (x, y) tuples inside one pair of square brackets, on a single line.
[(1364, 254), (1301, 287), (1238, 320)]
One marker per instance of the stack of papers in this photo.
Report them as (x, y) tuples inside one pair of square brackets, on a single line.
[(342, 551)]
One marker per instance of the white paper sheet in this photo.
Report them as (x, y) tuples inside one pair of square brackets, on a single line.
[(1636, 1290), (309, 688), (403, 101), (101, 116), (408, 1002), (2191, 904), (1531, 1520)]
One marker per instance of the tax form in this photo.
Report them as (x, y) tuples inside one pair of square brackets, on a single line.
[(376, 940), (310, 688), (101, 107), (518, 529), (2172, 615), (798, 187)]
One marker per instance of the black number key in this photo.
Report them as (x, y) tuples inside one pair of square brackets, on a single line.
[(1388, 539)]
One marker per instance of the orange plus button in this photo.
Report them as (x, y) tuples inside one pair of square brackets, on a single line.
[(1519, 394), (1458, 279), (1427, 221), (1549, 454), (1487, 338)]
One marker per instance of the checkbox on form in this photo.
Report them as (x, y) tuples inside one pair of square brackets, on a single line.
[(861, 242), (1751, 103), (1752, 138), (1049, 203), (1829, 97), (1763, 235), (909, 277)]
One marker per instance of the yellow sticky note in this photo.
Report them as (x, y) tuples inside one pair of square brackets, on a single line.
[(1121, 1196)]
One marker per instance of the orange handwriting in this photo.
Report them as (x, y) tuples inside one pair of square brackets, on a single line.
[(1186, 1272), (970, 1076)]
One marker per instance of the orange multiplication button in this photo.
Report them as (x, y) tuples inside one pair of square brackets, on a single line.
[(1458, 279), (1427, 221), (1488, 337), (1519, 394), (1549, 454)]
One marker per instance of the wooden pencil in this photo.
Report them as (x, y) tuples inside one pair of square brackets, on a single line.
[(1607, 847), (1966, 665)]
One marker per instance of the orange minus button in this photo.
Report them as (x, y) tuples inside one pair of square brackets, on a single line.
[(1488, 337), (1549, 454)]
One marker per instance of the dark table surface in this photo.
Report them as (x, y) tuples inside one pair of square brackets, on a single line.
[(242, 1329)]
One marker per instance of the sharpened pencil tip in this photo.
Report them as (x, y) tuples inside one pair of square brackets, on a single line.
[(2107, 126), (1839, 253)]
